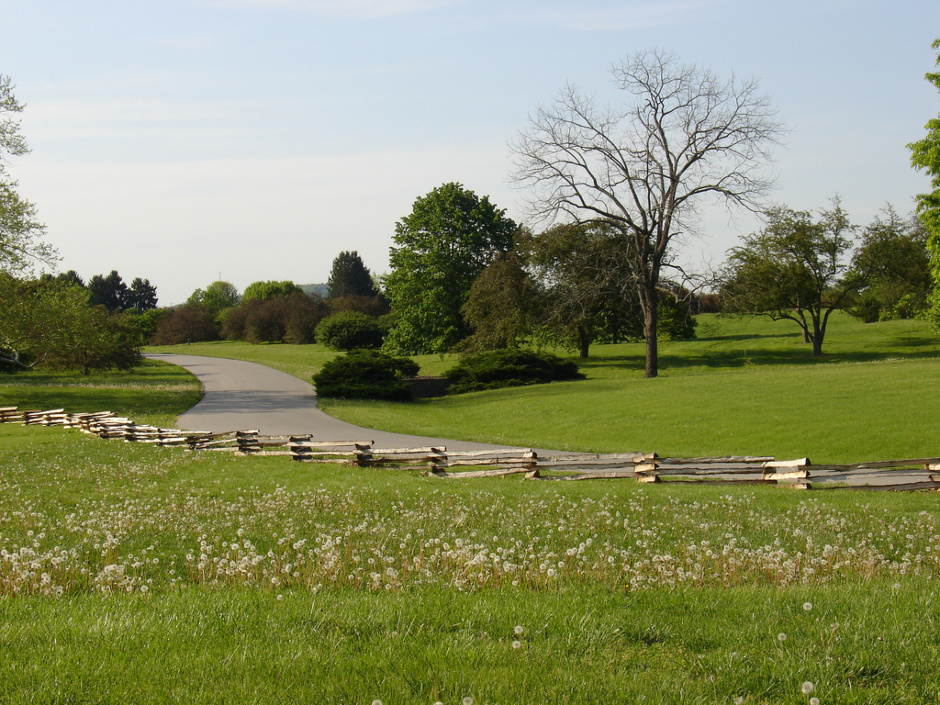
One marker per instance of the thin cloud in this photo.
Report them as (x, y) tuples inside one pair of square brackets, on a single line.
[(348, 9), (623, 16)]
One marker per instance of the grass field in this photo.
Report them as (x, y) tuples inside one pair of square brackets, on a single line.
[(746, 386), (146, 575)]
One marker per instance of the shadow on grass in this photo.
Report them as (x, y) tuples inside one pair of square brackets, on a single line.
[(905, 349)]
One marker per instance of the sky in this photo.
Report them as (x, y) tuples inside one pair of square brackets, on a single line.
[(184, 141)]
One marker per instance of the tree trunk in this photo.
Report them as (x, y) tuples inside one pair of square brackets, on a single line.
[(650, 297), (818, 332), (584, 344)]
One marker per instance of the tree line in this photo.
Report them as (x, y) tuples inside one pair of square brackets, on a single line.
[(614, 189)]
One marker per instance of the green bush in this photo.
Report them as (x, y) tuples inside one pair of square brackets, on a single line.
[(350, 330), (509, 367), (366, 374)]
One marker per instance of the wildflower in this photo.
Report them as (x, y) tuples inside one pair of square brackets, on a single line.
[(516, 644), (781, 637), (467, 701), (739, 700), (518, 630), (814, 701), (807, 606), (376, 702), (807, 688)]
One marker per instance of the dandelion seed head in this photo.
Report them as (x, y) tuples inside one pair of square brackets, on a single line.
[(781, 637), (467, 701), (516, 644), (807, 688), (814, 701), (518, 630), (739, 700), (807, 606)]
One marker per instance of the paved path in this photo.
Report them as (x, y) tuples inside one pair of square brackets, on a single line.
[(245, 395)]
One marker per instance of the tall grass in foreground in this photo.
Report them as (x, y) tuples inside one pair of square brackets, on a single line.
[(132, 573)]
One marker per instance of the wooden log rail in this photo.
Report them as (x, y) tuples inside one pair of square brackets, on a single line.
[(909, 474)]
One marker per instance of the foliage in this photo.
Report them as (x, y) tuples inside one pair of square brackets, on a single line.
[(503, 306), (291, 319), (373, 307), (109, 291), (510, 367), (189, 323), (587, 276), (795, 269), (144, 322), (350, 277), (440, 249), (20, 231), (45, 322), (218, 296), (141, 295), (895, 262), (350, 330), (366, 374), (683, 136), (266, 290), (925, 155)]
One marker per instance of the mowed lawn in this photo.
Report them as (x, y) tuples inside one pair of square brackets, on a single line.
[(136, 574), (746, 386)]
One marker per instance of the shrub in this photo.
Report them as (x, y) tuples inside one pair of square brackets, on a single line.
[(350, 330), (494, 369), (366, 374), (189, 323)]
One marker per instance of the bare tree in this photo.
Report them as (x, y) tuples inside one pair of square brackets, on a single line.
[(684, 136)]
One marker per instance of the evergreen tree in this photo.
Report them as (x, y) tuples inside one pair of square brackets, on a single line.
[(350, 277)]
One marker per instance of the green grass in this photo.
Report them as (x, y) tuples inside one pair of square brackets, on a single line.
[(745, 386), (137, 574), (153, 393), (182, 577)]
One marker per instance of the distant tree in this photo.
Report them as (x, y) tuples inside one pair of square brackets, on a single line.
[(925, 155), (291, 320), (218, 296), (795, 269), (440, 248), (69, 278), (20, 231), (350, 277), (503, 306), (265, 290), (189, 323), (108, 291), (350, 330), (372, 306), (682, 136), (141, 295), (894, 261)]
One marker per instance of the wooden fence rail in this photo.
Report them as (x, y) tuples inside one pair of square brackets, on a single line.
[(910, 474)]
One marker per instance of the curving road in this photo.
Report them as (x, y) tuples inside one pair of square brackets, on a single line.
[(245, 395)]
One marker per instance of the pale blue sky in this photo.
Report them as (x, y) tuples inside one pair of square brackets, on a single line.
[(181, 140)]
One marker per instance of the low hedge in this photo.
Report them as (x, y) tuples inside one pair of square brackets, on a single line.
[(366, 374), (509, 367)]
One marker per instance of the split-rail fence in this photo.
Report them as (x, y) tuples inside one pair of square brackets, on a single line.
[(910, 474)]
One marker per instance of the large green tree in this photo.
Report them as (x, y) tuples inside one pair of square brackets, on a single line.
[(441, 247), (925, 155), (20, 230), (797, 268), (682, 137)]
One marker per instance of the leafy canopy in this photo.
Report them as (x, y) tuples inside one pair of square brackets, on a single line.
[(20, 231), (440, 248), (925, 155)]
